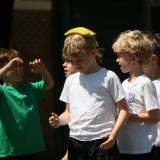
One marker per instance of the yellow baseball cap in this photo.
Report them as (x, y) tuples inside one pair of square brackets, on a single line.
[(81, 31)]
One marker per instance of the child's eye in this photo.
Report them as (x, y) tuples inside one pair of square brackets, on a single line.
[(68, 61), (118, 56)]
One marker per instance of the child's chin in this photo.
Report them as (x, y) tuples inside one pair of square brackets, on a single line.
[(123, 71), (20, 80)]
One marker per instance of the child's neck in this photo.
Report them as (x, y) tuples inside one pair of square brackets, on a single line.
[(135, 74), (155, 74), (95, 68), (10, 84)]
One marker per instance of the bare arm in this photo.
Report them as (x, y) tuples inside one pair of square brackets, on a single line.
[(121, 120), (150, 116), (39, 67), (3, 71), (56, 121), (122, 117), (9, 66)]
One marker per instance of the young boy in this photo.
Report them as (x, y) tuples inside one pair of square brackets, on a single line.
[(152, 69), (20, 129), (137, 138), (91, 95), (68, 70)]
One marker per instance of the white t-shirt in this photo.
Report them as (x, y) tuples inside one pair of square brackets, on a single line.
[(92, 99), (139, 137), (157, 85)]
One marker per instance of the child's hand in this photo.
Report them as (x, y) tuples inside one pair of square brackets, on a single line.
[(14, 63), (54, 120), (109, 143), (37, 66)]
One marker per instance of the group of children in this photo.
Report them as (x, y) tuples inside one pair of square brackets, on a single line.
[(108, 120), (93, 93)]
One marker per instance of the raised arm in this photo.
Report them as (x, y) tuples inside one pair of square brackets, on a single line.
[(10, 66), (39, 67)]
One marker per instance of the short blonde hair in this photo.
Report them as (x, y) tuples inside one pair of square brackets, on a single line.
[(76, 45), (135, 43)]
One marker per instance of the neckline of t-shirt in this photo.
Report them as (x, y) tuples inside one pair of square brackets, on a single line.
[(91, 74)]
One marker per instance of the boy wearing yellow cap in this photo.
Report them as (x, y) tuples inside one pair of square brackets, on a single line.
[(92, 96)]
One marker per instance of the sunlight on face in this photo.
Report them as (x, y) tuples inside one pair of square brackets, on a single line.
[(124, 61), (69, 68), (83, 63)]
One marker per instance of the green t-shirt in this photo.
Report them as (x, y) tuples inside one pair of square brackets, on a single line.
[(20, 126)]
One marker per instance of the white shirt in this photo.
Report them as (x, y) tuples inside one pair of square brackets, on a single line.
[(92, 99), (139, 137)]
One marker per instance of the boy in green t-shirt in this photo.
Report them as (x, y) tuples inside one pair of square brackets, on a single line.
[(20, 129)]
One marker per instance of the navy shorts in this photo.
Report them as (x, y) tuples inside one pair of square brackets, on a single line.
[(89, 150)]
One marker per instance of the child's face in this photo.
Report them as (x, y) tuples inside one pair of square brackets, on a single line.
[(124, 60), (15, 75), (69, 68), (84, 64)]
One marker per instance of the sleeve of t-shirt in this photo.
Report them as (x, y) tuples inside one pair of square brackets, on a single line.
[(115, 88), (150, 96), (39, 89), (64, 93)]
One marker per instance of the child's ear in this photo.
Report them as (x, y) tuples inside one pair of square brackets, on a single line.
[(154, 58), (134, 58), (93, 52)]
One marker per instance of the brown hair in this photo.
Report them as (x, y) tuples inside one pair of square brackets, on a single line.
[(7, 54), (76, 45), (155, 38)]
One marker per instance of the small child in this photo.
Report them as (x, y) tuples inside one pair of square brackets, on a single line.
[(92, 96), (137, 138), (68, 70), (20, 128)]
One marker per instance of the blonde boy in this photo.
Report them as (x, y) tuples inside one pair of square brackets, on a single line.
[(137, 138)]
